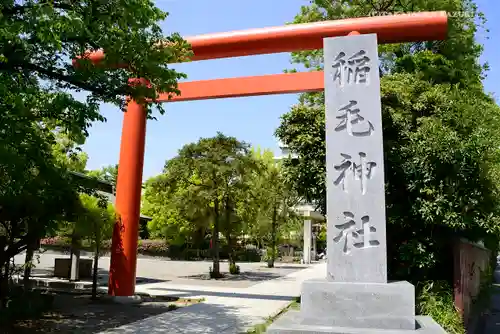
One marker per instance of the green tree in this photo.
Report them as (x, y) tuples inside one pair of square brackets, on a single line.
[(95, 223), (160, 202), (38, 40), (213, 170), (43, 36), (269, 208), (440, 138), (106, 173), (68, 152), (35, 195), (68, 155)]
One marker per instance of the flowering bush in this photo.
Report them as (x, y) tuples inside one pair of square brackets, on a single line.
[(153, 247), (59, 243), (146, 247), (55, 241)]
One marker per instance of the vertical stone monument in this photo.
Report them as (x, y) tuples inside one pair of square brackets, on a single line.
[(355, 296)]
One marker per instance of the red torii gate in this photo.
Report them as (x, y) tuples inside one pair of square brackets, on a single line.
[(298, 37)]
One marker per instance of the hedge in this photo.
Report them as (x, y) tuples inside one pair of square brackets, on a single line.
[(158, 248)]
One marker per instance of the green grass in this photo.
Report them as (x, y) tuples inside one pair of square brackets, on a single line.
[(435, 299), (261, 328)]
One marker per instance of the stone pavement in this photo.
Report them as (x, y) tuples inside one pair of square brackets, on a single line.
[(157, 270), (226, 310), (492, 325)]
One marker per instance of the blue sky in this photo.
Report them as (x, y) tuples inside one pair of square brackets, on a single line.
[(252, 119)]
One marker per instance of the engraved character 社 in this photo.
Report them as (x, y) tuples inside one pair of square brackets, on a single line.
[(361, 171), (353, 237), (353, 70), (351, 121)]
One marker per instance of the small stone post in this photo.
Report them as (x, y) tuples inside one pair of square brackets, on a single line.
[(307, 240)]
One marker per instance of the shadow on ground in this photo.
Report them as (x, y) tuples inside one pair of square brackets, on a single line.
[(186, 293), (102, 274), (73, 315), (78, 314), (284, 266), (251, 276)]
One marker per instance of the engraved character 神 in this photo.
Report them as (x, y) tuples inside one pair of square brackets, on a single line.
[(362, 171), (351, 236), (353, 70), (350, 117)]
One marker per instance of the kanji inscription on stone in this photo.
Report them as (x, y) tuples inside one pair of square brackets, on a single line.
[(355, 161), (351, 120), (359, 170), (354, 69), (356, 234)]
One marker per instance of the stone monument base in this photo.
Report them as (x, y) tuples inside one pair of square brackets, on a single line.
[(344, 307), (292, 323)]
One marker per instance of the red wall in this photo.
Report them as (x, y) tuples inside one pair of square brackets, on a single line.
[(470, 260)]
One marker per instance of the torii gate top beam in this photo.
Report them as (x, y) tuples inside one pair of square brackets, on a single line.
[(309, 36)]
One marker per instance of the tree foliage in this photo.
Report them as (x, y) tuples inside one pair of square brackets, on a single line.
[(107, 173), (213, 171), (160, 202), (95, 223), (440, 136), (68, 152), (269, 204), (200, 189), (43, 37), (219, 184), (42, 123)]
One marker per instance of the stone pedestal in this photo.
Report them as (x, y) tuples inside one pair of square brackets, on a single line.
[(343, 307), (62, 268), (294, 323), (370, 305), (355, 296)]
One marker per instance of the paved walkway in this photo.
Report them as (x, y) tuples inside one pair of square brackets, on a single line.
[(225, 310), (492, 325)]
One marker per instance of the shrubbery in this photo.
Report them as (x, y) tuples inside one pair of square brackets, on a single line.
[(157, 248), (435, 299), (234, 269), (23, 304), (146, 247), (153, 247)]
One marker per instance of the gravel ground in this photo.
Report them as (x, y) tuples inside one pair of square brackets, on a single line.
[(155, 270)]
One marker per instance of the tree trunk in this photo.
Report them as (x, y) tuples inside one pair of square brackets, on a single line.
[(4, 284), (227, 224), (97, 248), (4, 270), (30, 251), (94, 273), (215, 242), (230, 249), (270, 264)]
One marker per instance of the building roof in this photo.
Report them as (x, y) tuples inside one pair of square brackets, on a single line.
[(105, 188)]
